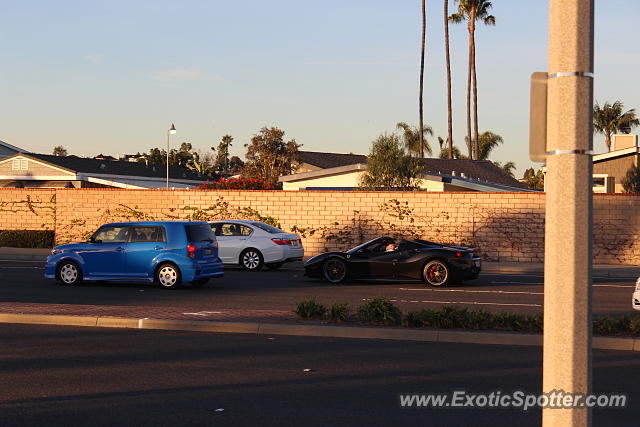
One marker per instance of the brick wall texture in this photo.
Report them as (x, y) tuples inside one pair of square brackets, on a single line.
[(503, 226)]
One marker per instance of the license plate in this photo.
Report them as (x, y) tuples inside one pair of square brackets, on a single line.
[(207, 251), (477, 263)]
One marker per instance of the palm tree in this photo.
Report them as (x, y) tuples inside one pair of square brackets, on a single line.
[(487, 141), (507, 168), (424, 29), (610, 119), (411, 138), (472, 11), (448, 60), (444, 151)]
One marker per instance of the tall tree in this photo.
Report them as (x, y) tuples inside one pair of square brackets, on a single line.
[(533, 180), (507, 168), (269, 156), (59, 150), (413, 143), (448, 60), (471, 11), (610, 119), (222, 157), (487, 141), (448, 152), (389, 166), (424, 30)]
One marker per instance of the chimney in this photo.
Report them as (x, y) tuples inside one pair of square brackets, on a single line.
[(622, 141)]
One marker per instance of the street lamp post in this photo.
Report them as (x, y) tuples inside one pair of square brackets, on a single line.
[(568, 225), (171, 131)]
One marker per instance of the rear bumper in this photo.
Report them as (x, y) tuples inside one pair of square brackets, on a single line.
[(202, 270)]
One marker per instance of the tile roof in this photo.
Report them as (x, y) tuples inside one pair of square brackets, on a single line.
[(111, 167), (330, 160), (484, 170)]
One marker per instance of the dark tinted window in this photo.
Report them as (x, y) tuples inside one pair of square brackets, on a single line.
[(267, 227), (199, 233), (147, 234)]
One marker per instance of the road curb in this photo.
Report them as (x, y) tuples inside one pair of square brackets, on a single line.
[(327, 331)]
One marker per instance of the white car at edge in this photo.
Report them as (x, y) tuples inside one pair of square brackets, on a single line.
[(252, 244), (635, 299)]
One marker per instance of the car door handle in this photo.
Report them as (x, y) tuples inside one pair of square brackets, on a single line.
[(120, 249), (158, 248)]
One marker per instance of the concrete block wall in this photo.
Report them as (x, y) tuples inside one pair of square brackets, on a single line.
[(503, 226)]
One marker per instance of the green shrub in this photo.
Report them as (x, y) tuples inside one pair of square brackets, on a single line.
[(380, 311), (27, 238), (310, 309), (339, 312)]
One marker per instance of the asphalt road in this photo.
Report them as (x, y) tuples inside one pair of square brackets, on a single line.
[(283, 289), (68, 376)]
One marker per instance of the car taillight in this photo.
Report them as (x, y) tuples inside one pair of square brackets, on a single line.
[(458, 255), (191, 251), (281, 241), (215, 244)]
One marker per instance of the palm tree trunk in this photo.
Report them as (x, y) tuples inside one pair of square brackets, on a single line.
[(449, 112), (424, 29), (469, 140), (607, 140), (473, 76)]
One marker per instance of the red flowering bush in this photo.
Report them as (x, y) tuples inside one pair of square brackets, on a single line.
[(237, 184)]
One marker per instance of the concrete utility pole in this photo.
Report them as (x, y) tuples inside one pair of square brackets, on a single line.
[(568, 256)]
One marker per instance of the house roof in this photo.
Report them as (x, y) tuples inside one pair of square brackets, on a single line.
[(330, 160), (481, 175), (484, 170), (111, 167), (12, 147), (616, 154)]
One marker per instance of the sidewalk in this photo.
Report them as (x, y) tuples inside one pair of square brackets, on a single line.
[(533, 268)]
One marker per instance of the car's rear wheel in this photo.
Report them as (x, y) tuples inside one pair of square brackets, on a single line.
[(200, 282), (436, 273), (251, 260), (168, 276), (334, 270), (274, 265), (69, 273)]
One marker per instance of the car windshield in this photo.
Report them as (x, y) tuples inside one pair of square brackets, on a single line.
[(200, 233), (266, 227), (372, 245)]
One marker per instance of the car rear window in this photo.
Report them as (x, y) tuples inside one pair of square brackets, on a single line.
[(199, 233), (267, 227)]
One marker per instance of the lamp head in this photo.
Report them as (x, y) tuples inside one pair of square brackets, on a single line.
[(172, 130)]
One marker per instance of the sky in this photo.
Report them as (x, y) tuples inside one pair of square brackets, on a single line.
[(111, 77)]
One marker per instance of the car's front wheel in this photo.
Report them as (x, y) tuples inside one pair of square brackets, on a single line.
[(436, 273), (69, 273), (334, 270), (251, 260), (168, 276)]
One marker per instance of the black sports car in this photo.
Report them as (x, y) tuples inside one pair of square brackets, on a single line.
[(385, 258)]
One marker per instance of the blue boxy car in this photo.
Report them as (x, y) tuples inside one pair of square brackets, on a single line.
[(165, 252)]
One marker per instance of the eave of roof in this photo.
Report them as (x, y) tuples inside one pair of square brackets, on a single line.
[(613, 154), (323, 172)]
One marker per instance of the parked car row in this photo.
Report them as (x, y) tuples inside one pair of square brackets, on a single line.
[(171, 252)]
